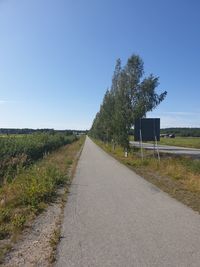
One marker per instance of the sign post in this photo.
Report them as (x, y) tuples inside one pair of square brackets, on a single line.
[(147, 130)]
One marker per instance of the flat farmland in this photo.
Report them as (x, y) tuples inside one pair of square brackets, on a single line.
[(193, 142)]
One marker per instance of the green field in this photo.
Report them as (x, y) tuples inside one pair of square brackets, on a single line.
[(18, 151), (12, 136), (193, 142)]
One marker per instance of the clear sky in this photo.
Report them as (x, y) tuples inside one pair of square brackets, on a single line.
[(57, 58)]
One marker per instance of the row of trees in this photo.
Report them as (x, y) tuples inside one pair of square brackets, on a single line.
[(130, 97)]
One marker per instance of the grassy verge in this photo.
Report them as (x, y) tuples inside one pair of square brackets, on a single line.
[(179, 176), (32, 189)]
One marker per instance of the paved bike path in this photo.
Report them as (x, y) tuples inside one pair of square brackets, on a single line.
[(113, 217)]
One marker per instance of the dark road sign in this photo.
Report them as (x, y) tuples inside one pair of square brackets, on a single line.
[(147, 129)]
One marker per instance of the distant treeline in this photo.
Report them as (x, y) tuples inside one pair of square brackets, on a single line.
[(30, 131), (184, 132)]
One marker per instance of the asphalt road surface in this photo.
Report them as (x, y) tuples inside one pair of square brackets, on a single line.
[(169, 149), (114, 217)]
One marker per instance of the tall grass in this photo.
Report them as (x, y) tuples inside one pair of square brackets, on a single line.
[(25, 196), (16, 152), (177, 167)]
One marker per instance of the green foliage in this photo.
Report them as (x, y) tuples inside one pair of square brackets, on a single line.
[(27, 194), (4, 232), (18, 221), (33, 188), (130, 97), (5, 215), (19, 151), (69, 162), (38, 185)]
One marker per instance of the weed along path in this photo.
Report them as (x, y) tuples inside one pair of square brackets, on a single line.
[(114, 217)]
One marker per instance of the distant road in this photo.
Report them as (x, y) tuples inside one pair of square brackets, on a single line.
[(169, 149), (115, 218)]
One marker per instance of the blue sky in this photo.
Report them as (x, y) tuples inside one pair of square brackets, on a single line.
[(57, 58)]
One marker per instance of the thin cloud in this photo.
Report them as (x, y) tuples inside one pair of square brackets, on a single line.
[(2, 102), (177, 118), (181, 113)]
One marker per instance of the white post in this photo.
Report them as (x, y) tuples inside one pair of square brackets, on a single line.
[(157, 148), (125, 153), (141, 146)]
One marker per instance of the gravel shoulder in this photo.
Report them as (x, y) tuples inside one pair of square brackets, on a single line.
[(34, 248)]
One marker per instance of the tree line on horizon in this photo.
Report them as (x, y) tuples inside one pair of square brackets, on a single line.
[(10, 131), (130, 97), (182, 131)]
